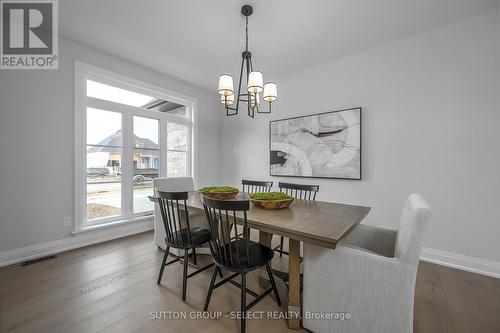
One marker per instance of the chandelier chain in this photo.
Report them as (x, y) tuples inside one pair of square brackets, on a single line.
[(246, 33)]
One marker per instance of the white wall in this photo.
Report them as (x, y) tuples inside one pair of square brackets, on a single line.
[(37, 143), (431, 115)]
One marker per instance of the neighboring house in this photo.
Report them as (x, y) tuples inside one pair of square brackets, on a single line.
[(108, 154)]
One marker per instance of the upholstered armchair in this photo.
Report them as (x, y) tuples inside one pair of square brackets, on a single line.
[(370, 275)]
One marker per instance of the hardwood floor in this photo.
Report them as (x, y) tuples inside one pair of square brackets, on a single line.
[(111, 287)]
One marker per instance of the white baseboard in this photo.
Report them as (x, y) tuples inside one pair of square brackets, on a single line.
[(454, 260), (73, 242), (459, 261)]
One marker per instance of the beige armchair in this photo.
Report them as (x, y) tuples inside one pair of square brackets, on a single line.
[(370, 276)]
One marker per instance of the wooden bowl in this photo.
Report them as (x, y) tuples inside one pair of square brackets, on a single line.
[(272, 204), (221, 195)]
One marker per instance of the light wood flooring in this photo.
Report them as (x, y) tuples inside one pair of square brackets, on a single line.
[(111, 287)]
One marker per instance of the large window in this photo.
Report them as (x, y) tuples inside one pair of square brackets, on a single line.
[(127, 134)]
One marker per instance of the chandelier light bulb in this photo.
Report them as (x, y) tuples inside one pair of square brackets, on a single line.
[(227, 100), (254, 100)]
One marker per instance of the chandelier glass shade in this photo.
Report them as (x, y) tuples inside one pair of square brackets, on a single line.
[(253, 80)]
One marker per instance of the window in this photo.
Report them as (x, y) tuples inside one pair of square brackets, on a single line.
[(127, 134), (104, 151), (177, 150), (146, 152)]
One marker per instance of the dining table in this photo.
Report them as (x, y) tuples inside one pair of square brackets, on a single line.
[(319, 223)]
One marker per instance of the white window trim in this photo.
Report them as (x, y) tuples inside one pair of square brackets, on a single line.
[(82, 73)]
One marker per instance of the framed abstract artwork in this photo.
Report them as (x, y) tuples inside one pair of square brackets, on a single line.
[(323, 145)]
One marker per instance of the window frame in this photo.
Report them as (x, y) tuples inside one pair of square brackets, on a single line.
[(84, 72)]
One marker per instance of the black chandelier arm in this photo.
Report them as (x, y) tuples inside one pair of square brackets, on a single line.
[(239, 87), (249, 103), (231, 113), (251, 111), (237, 97), (258, 111)]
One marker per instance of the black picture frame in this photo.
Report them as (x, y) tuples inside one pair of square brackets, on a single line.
[(317, 114)]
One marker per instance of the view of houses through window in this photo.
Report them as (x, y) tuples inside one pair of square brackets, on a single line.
[(146, 161), (104, 166), (125, 151)]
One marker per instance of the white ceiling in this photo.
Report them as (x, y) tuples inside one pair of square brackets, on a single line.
[(196, 40)]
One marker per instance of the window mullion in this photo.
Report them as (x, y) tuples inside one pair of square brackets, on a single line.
[(163, 147), (127, 165), (189, 166)]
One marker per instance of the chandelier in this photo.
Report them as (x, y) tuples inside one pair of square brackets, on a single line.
[(254, 82)]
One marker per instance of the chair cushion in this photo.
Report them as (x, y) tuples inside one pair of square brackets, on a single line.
[(174, 184), (199, 236), (258, 256)]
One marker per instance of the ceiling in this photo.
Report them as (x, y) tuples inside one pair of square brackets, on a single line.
[(196, 40)]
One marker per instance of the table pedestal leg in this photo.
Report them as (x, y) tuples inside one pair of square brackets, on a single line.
[(294, 284), (264, 239)]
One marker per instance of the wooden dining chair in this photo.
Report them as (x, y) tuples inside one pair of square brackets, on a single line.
[(253, 186), (179, 234), (196, 218), (234, 253), (298, 191)]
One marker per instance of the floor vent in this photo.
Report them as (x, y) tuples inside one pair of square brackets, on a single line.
[(35, 261)]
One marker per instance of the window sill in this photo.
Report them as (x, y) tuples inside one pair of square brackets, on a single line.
[(112, 224)]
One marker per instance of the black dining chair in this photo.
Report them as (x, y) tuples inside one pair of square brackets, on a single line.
[(298, 191), (253, 186), (236, 254), (179, 235)]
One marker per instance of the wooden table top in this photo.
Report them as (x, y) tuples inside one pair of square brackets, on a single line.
[(316, 222)]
